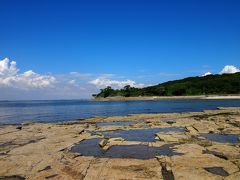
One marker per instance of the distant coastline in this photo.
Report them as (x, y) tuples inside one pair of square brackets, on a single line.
[(153, 98)]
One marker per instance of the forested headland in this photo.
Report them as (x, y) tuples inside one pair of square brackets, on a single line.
[(208, 85)]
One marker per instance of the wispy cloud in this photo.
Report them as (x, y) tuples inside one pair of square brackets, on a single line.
[(161, 74), (80, 75)]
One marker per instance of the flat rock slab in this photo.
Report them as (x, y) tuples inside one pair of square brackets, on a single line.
[(193, 163), (124, 169), (171, 137)]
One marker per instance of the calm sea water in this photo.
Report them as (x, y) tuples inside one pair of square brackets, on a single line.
[(14, 112)]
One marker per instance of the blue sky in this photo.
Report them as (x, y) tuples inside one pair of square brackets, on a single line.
[(147, 42)]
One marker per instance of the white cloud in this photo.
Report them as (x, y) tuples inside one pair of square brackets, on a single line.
[(207, 73), (10, 77), (73, 82), (31, 85), (74, 73), (229, 69), (103, 82), (6, 68)]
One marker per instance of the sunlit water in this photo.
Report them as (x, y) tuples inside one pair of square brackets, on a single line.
[(64, 110)]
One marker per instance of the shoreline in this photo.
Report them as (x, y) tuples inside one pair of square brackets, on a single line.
[(155, 98), (83, 120)]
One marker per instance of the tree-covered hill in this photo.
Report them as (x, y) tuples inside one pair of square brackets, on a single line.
[(207, 85)]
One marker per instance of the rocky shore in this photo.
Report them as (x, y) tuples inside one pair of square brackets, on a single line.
[(194, 145)]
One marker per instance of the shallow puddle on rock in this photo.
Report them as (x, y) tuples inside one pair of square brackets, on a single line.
[(221, 138), (6, 144), (217, 170), (16, 177), (124, 123), (142, 135), (139, 151), (90, 147), (170, 120), (144, 126), (215, 153)]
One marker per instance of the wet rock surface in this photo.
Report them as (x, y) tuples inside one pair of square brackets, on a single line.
[(195, 145), (217, 170), (127, 123)]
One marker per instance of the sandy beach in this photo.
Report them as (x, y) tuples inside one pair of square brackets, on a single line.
[(152, 98), (194, 145)]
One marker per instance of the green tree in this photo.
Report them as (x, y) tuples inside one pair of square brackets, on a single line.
[(106, 92), (127, 89)]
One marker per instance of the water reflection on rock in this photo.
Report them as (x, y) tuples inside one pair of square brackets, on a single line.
[(90, 147), (142, 135), (222, 138)]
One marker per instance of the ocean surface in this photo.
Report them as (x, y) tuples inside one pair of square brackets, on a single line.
[(15, 112)]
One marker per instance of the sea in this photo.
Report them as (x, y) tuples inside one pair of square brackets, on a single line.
[(17, 112)]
